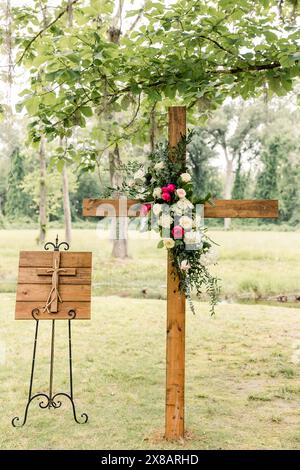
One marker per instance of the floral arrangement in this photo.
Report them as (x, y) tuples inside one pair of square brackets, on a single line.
[(170, 206)]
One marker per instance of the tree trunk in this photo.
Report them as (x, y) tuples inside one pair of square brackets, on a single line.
[(119, 224), (152, 129), (229, 177), (67, 208), (43, 192)]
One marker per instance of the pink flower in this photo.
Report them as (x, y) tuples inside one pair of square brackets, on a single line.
[(185, 265), (171, 187), (166, 196), (181, 193), (145, 208), (177, 232), (165, 189)]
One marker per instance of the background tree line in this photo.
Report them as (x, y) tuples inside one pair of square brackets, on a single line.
[(245, 150)]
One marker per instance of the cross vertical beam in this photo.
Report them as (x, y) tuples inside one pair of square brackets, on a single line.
[(175, 348)]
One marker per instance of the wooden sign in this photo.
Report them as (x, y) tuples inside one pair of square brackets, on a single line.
[(55, 283)]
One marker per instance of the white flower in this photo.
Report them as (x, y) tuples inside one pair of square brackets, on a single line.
[(165, 220), (156, 192), (186, 222), (210, 257), (156, 208), (169, 243), (185, 177), (139, 175), (180, 193), (185, 265), (181, 206), (193, 238), (159, 166)]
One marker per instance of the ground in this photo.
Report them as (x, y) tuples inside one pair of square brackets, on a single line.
[(242, 376)]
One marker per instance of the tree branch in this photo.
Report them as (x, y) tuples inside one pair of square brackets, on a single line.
[(65, 10), (249, 68)]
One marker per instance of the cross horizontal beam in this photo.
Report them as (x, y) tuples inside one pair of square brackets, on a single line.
[(222, 208)]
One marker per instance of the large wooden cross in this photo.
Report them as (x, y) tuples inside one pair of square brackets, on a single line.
[(175, 360)]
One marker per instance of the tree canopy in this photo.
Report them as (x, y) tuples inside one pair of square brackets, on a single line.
[(192, 52)]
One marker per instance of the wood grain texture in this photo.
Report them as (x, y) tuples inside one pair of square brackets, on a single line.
[(111, 208), (33, 276), (175, 357), (82, 309), (44, 259), (235, 208), (242, 208), (39, 292), (175, 348)]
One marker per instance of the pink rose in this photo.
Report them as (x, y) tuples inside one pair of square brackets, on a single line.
[(165, 189), (177, 232), (181, 193), (166, 196), (145, 209), (171, 187)]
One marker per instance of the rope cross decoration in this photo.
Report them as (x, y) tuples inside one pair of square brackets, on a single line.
[(54, 296)]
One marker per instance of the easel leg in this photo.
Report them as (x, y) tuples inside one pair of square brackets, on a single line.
[(84, 416), (16, 419), (51, 365)]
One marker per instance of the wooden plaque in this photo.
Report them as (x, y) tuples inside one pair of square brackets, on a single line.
[(54, 282)]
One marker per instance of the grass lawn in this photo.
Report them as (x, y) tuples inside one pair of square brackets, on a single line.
[(242, 383), (253, 265), (243, 376)]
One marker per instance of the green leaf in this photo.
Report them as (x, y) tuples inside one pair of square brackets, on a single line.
[(160, 244), (86, 111), (60, 165), (32, 104)]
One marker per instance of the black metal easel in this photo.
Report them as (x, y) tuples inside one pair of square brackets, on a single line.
[(50, 400)]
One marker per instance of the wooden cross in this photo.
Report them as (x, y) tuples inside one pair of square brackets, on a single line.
[(54, 296), (175, 360)]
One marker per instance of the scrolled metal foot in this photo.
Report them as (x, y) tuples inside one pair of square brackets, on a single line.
[(84, 416), (16, 419)]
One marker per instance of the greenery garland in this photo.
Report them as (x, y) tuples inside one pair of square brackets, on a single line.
[(170, 207)]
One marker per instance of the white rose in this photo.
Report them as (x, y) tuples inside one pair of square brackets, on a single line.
[(157, 192), (165, 220), (193, 238), (181, 205), (185, 265), (156, 208), (181, 193), (159, 166), (185, 177), (186, 222), (139, 175), (169, 243)]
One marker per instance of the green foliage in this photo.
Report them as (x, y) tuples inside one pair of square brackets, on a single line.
[(241, 181), (267, 185), (31, 186), (185, 51), (18, 202), (205, 175), (87, 186)]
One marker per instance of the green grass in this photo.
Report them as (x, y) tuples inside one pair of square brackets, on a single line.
[(253, 265), (242, 378)]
